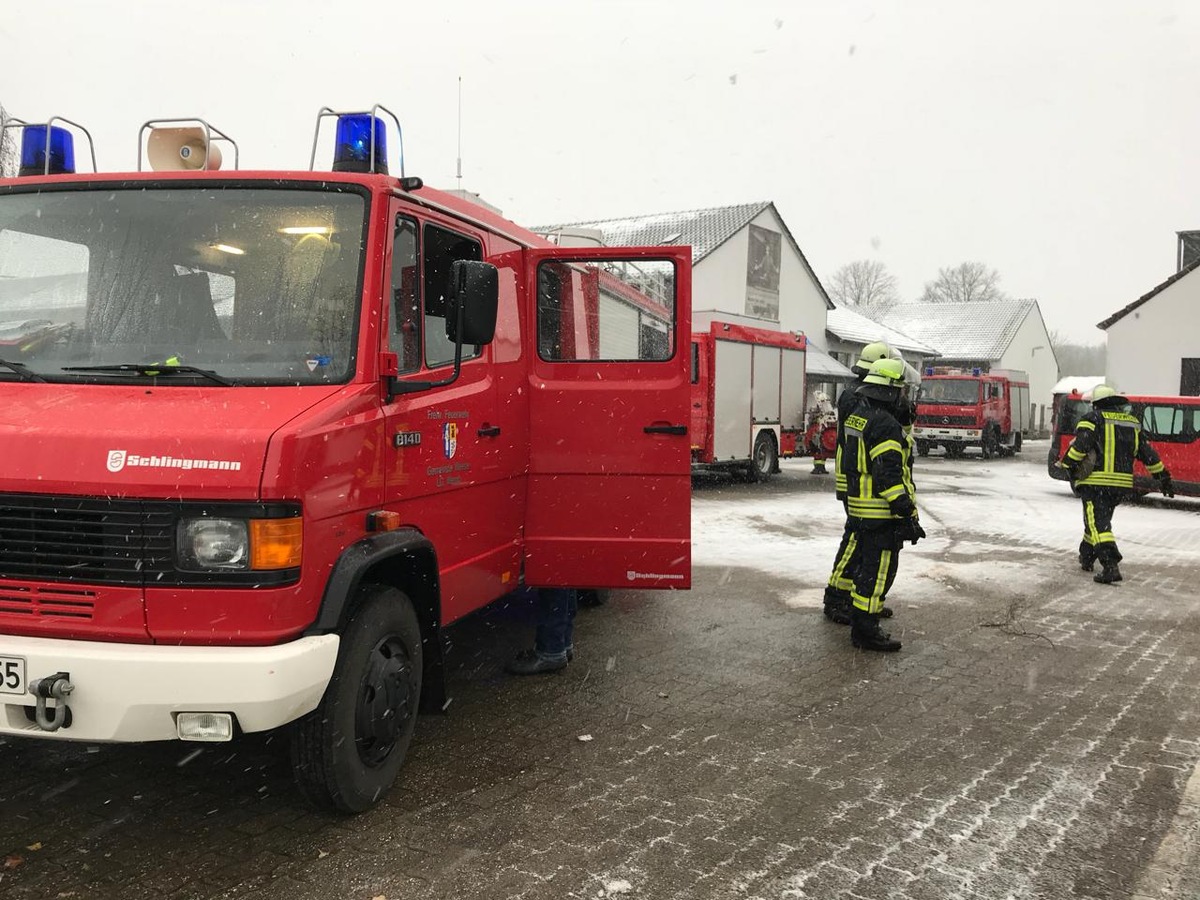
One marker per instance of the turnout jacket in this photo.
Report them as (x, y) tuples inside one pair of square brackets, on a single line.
[(846, 403), (877, 461), (1115, 439)]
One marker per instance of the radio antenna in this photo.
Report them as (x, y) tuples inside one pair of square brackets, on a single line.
[(460, 132)]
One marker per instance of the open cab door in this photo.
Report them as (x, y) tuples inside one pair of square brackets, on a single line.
[(609, 488)]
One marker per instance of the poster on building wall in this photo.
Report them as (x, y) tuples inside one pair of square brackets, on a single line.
[(762, 274)]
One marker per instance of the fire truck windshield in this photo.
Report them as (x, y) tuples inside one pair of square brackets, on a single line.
[(251, 285), (958, 391)]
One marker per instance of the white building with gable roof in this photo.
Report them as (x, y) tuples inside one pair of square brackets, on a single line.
[(995, 334)]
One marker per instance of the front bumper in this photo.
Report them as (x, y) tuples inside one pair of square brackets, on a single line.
[(131, 692), (939, 435)]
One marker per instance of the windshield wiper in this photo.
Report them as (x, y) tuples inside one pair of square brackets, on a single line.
[(26, 373), (152, 370)]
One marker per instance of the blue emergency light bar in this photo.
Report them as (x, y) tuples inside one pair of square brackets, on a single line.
[(360, 144), (47, 150), (977, 371)]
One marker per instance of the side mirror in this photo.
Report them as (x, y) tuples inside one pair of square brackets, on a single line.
[(474, 296)]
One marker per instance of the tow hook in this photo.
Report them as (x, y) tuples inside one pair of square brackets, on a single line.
[(55, 687)]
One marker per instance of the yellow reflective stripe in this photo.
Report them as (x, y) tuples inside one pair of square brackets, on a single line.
[(1155, 468), (1090, 534), (1074, 454), (837, 468), (874, 603), (893, 492), (884, 447), (1110, 447), (1105, 537), (838, 578), (1109, 479), (864, 477), (1091, 426)]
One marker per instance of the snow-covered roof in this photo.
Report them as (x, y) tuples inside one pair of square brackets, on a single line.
[(820, 366), (1081, 383), (703, 229), (970, 331), (1147, 297), (857, 328)]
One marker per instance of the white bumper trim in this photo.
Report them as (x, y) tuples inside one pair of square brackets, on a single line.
[(130, 692)]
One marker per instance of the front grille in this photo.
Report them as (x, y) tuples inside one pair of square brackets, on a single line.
[(80, 539), (47, 603), (968, 421)]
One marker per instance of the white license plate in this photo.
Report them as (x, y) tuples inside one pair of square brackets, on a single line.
[(12, 675)]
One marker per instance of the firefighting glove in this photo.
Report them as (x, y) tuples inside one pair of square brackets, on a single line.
[(1165, 484), (903, 507), (910, 530)]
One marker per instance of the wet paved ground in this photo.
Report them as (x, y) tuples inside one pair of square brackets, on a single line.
[(1035, 738)]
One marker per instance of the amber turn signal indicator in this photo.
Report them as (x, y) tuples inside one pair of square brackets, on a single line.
[(276, 543)]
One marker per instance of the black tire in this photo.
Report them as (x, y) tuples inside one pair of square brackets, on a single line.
[(923, 448), (1016, 447), (990, 442), (765, 460), (347, 752), (593, 597)]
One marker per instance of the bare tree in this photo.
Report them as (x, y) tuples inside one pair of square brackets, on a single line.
[(1075, 358), (864, 283), (968, 282), (8, 147)]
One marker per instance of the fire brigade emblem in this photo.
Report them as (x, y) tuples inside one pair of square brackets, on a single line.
[(116, 460), (450, 439)]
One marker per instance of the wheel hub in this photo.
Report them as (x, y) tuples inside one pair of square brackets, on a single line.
[(384, 701)]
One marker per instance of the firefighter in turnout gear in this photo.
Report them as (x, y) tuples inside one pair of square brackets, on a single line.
[(880, 497), (837, 591), (1100, 462)]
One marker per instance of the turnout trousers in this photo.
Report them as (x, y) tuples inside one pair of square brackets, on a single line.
[(1098, 541), (841, 580), (876, 558)]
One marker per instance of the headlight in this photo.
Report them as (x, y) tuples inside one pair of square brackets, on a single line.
[(220, 544), (214, 544)]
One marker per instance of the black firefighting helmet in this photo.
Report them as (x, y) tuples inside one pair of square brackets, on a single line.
[(884, 381), (870, 355)]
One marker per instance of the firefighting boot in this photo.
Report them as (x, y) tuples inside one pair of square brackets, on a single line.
[(866, 634), (837, 606), (1110, 573), (1087, 556)]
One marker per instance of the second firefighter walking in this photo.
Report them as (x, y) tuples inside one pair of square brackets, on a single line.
[(880, 496)]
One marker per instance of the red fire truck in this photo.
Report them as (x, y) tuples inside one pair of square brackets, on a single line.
[(267, 434), (747, 398), (1171, 424), (960, 408)]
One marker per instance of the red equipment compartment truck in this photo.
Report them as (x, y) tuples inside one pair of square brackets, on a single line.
[(747, 393), (267, 434), (1171, 424), (960, 408)]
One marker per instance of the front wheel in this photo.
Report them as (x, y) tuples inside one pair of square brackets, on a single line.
[(347, 752), (990, 443), (1017, 442), (923, 448)]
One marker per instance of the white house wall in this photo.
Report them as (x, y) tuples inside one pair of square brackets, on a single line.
[(1146, 347), (719, 287), (1030, 351)]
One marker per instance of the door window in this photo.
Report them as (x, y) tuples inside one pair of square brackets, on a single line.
[(442, 248), (610, 311), (404, 330)]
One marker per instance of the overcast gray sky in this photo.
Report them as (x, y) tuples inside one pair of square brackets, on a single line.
[(1055, 141)]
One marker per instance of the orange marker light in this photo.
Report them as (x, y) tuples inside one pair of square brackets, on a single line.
[(276, 543)]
